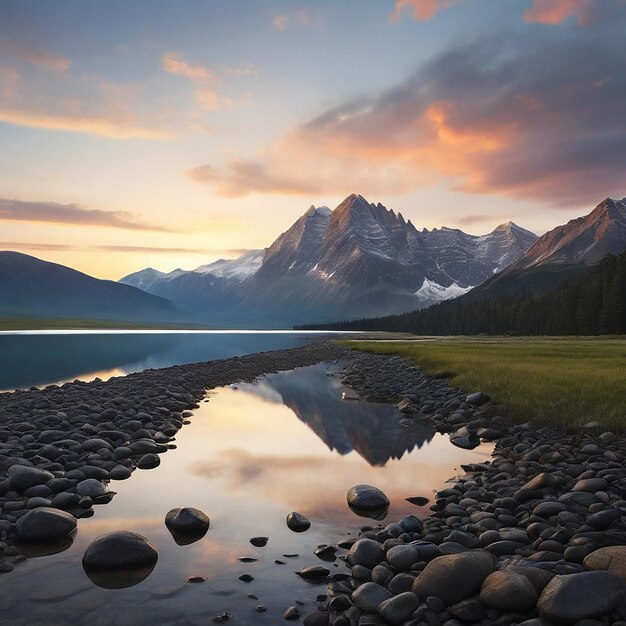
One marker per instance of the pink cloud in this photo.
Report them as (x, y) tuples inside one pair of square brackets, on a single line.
[(33, 54), (422, 10), (174, 63)]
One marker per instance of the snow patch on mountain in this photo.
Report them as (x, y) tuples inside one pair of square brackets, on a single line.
[(238, 269), (433, 291)]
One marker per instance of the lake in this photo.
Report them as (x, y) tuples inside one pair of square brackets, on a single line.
[(252, 453), (35, 358)]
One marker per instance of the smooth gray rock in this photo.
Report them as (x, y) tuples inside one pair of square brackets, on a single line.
[(297, 522), (366, 497), (187, 520), (120, 550), (477, 398), (401, 558), (508, 591), (611, 559), (575, 597), (454, 577), (92, 487), (398, 609), (366, 552), (369, 596), (23, 477), (45, 524)]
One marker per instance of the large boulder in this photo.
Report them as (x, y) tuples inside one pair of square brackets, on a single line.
[(454, 577), (366, 498), (93, 488), (23, 477), (611, 559), (45, 524), (574, 597), (508, 591), (119, 550)]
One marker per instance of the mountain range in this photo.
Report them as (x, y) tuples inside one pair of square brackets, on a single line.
[(359, 258)]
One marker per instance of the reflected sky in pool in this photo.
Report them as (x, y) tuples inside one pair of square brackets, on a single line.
[(252, 454)]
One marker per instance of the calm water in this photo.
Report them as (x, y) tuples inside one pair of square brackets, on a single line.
[(44, 357), (252, 454)]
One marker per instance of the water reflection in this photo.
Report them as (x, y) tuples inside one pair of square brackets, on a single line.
[(27, 360), (376, 433), (250, 456)]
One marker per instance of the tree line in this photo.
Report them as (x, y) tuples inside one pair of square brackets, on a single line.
[(592, 305)]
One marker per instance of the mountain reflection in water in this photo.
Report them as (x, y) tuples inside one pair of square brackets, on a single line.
[(251, 454), (375, 431)]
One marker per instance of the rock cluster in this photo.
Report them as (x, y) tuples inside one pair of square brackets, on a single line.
[(61, 446), (536, 536)]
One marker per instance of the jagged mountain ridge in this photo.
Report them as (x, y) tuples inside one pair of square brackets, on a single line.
[(564, 253), (359, 259)]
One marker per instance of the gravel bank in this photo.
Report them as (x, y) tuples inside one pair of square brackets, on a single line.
[(62, 447), (534, 537)]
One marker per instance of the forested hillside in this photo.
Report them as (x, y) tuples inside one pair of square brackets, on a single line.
[(592, 305)]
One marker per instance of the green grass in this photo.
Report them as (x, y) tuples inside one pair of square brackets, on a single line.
[(28, 323), (560, 381)]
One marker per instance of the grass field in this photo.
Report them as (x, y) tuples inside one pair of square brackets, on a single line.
[(561, 381), (27, 323)]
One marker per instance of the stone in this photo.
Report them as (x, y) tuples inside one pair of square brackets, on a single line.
[(508, 591), (366, 497), (454, 577), (315, 572), (398, 609), (23, 477), (259, 542), (477, 399), (366, 552), (93, 488), (611, 559), (574, 597), (317, 618), (45, 524), (187, 520), (292, 613), (297, 522), (368, 596), (148, 461), (401, 558), (120, 550)]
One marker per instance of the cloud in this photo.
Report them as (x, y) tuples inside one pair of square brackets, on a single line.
[(174, 63), (280, 22), (203, 79), (303, 17), (31, 53), (489, 116), (585, 12), (243, 69), (470, 220), (55, 213), (422, 10)]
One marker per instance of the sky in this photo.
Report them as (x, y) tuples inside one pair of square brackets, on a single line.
[(173, 133)]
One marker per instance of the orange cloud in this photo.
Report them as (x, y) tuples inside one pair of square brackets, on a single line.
[(422, 10), (490, 116), (113, 125), (557, 11), (174, 63)]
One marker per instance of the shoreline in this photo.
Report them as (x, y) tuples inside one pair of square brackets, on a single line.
[(547, 500)]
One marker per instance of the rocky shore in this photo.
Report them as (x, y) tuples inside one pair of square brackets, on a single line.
[(62, 447), (534, 537)]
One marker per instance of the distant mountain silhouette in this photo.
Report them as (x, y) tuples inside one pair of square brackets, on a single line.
[(36, 288)]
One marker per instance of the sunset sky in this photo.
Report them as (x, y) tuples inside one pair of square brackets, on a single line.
[(139, 133)]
